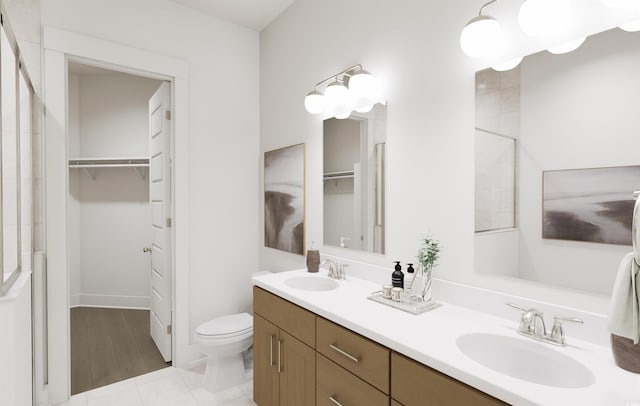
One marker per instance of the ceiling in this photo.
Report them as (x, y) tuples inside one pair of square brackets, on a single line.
[(254, 14)]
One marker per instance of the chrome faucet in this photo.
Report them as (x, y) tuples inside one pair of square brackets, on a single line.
[(336, 269), (532, 326)]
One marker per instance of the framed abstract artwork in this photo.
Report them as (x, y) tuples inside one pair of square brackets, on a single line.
[(593, 205), (284, 194)]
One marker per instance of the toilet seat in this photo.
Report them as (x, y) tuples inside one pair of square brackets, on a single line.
[(235, 325)]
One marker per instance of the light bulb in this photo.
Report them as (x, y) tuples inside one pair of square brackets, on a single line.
[(544, 17), (508, 65), (363, 84), (632, 26), (482, 36), (567, 46), (342, 116), (365, 109), (314, 102), (337, 94)]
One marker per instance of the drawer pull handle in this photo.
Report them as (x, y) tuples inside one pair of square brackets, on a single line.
[(271, 351), (346, 354), (335, 402), (279, 356)]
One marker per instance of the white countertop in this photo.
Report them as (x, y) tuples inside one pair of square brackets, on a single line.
[(430, 338)]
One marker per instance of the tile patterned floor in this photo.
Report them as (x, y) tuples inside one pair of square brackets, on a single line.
[(165, 387)]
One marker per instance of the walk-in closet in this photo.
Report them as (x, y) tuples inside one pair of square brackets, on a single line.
[(110, 226)]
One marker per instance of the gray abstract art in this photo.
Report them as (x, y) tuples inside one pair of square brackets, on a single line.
[(284, 207), (594, 205)]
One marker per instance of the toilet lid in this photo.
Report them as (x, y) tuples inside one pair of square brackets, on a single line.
[(234, 324)]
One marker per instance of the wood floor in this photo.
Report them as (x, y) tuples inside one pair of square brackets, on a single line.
[(110, 345)]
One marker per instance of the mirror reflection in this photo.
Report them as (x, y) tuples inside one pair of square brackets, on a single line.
[(557, 163), (354, 180)]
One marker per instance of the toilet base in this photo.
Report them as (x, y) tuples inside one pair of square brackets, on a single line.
[(224, 372)]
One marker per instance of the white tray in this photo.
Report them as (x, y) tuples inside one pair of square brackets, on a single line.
[(412, 307)]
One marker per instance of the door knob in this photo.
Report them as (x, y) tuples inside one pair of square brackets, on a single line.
[(146, 249)]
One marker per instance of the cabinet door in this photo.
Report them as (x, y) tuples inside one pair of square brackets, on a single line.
[(297, 372), (265, 372)]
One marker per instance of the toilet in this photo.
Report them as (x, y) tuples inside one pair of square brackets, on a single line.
[(224, 341)]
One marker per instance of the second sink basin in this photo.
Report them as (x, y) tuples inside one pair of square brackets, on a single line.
[(529, 361), (311, 283)]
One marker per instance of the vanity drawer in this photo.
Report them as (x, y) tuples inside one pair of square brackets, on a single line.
[(291, 318), (414, 384), (344, 387), (363, 357)]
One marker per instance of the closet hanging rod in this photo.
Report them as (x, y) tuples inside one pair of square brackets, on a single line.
[(108, 162)]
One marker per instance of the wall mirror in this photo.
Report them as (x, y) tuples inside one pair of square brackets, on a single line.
[(354, 180), (557, 142)]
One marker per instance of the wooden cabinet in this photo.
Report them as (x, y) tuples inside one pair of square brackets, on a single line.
[(359, 355), (284, 366), (301, 359), (414, 384)]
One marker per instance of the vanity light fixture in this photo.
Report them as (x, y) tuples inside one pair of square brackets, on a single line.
[(352, 89), (567, 46), (632, 26), (508, 65), (544, 17), (482, 35)]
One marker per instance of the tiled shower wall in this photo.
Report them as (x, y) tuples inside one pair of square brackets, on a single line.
[(497, 132), (24, 17)]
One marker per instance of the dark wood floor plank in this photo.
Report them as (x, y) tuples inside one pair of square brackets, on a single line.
[(110, 345)]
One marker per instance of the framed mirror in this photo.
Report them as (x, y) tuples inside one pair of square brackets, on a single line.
[(354, 180), (557, 141)]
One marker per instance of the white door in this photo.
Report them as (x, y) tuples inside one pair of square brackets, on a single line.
[(160, 196)]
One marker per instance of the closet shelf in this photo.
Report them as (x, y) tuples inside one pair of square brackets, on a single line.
[(89, 165), (108, 162), (338, 175)]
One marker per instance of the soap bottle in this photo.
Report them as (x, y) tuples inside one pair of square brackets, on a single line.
[(397, 277), (313, 259), (411, 278)]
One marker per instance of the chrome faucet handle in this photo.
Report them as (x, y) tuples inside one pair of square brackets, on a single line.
[(557, 332), (531, 322)]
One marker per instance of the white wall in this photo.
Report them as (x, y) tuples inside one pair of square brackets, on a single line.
[(223, 133), (109, 217), (579, 110), (413, 49)]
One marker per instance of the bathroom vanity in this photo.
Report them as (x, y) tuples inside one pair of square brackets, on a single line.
[(322, 343)]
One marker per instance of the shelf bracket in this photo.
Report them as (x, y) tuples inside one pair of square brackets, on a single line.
[(90, 174), (140, 172)]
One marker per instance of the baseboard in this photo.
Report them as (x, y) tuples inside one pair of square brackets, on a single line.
[(111, 301)]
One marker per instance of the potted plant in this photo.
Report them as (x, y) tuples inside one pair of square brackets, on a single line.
[(428, 256)]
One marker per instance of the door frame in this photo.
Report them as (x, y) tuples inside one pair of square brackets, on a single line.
[(59, 48)]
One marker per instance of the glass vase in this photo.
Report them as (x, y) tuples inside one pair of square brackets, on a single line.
[(424, 292)]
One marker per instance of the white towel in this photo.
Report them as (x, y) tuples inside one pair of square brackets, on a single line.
[(624, 315)]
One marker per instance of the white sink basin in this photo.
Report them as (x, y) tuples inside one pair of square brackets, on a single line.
[(529, 361), (311, 283)]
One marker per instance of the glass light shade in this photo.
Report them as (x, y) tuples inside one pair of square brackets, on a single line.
[(540, 18), (508, 65), (567, 46), (632, 26), (365, 109), (314, 102), (343, 115), (626, 4), (337, 94), (363, 84), (482, 36)]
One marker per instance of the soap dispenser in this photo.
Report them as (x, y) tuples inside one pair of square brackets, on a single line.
[(411, 278), (313, 259), (397, 277)]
